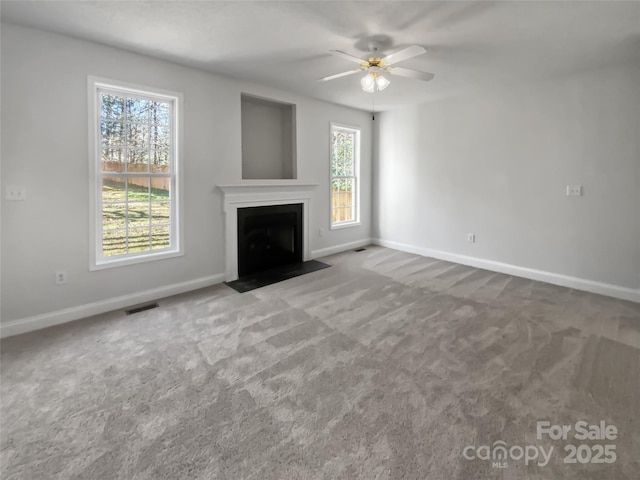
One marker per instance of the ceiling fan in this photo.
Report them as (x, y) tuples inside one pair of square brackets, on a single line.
[(375, 66)]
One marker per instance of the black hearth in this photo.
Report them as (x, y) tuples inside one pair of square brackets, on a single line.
[(269, 237)]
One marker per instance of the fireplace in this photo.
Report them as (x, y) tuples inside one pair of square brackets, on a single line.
[(268, 237), (262, 194)]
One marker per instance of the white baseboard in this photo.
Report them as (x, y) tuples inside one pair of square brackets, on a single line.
[(608, 289), (323, 252), (37, 322)]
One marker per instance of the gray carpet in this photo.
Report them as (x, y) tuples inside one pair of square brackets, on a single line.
[(384, 366)]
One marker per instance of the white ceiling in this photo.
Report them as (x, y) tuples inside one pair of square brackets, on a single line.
[(471, 46)]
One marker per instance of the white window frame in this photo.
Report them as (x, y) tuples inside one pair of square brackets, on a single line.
[(96, 260), (356, 176)]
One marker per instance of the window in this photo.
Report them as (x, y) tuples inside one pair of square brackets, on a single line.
[(345, 153), (134, 174)]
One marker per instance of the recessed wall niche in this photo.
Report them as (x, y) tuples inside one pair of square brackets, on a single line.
[(268, 139)]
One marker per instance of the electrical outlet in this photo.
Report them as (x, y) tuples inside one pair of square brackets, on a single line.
[(61, 277), (16, 193), (471, 237), (574, 190), (321, 232)]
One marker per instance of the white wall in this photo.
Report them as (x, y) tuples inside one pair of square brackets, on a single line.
[(44, 148), (498, 166)]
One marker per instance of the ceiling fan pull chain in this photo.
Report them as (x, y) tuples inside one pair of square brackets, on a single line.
[(373, 106)]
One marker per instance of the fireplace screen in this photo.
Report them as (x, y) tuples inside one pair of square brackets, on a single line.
[(269, 237)]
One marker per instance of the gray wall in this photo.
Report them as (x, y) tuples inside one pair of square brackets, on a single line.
[(267, 138), (45, 149), (497, 165)]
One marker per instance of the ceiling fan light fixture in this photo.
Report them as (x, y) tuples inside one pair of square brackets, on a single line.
[(373, 81), (368, 83), (382, 82)]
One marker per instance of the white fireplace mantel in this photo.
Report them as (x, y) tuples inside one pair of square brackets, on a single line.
[(259, 195)]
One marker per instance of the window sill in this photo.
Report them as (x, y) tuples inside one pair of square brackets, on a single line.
[(338, 226), (123, 262)]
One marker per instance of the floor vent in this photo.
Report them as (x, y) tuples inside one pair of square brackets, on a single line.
[(361, 249), (142, 308)]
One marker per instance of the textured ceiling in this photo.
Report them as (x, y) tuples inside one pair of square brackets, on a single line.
[(471, 46)]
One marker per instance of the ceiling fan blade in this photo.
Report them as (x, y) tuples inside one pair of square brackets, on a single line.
[(405, 72), (338, 75), (404, 54), (346, 56)]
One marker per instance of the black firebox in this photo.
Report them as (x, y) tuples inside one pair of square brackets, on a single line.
[(269, 237)]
